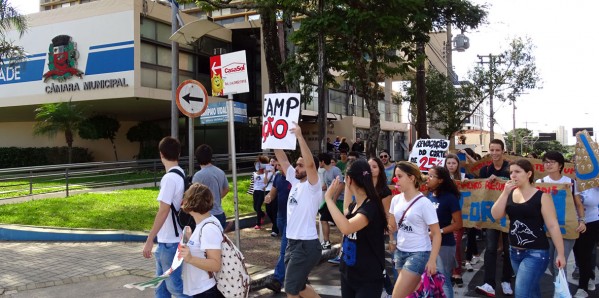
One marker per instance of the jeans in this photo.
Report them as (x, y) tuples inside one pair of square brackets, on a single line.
[(568, 245), (222, 218), (471, 246), (271, 211), (258, 201), (458, 252), (530, 265), (491, 257), (583, 251), (414, 262), (165, 253), (445, 264), (280, 267)]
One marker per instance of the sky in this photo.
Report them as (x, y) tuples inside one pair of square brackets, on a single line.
[(563, 36)]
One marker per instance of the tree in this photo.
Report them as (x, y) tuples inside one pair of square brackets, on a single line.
[(541, 147), (516, 73), (53, 118), (10, 18), (518, 137), (100, 127), (367, 41), (148, 134)]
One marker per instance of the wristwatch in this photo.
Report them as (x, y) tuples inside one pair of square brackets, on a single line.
[(441, 231), (392, 241), (582, 220)]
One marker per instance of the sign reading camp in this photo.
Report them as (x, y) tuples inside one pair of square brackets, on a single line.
[(428, 153), (279, 111)]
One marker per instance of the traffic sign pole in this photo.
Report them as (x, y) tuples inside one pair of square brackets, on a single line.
[(192, 100), (233, 164)]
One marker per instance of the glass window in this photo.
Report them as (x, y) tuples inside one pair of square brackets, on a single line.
[(163, 80), (185, 61), (148, 28), (148, 78), (164, 56), (163, 32), (148, 53)]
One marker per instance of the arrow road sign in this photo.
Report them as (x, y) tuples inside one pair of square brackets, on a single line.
[(192, 98)]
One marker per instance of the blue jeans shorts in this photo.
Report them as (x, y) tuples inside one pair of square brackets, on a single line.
[(414, 262)]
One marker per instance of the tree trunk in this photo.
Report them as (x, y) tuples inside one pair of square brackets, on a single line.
[(68, 134), (114, 149), (272, 51), (375, 124), (421, 130)]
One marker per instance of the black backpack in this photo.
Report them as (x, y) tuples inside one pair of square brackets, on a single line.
[(181, 217)]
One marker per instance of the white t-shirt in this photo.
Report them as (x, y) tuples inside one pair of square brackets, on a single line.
[(563, 180), (590, 201), (171, 191), (413, 236), (196, 280), (302, 206)]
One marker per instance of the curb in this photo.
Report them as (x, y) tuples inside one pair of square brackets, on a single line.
[(261, 282)]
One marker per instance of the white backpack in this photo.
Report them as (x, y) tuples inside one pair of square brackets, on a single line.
[(233, 279)]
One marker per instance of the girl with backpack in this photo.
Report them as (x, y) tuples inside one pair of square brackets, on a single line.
[(261, 178), (202, 254), (414, 215), (363, 225)]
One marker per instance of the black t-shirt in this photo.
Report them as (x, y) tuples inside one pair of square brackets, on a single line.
[(526, 223), (489, 170), (446, 204), (384, 191), (369, 243)]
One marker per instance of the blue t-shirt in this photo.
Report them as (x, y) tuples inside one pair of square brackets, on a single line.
[(283, 187), (446, 204)]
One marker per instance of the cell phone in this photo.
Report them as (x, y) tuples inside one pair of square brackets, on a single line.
[(186, 234)]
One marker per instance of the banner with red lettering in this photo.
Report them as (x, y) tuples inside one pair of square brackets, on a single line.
[(474, 168), (279, 111), (587, 164), (479, 195)]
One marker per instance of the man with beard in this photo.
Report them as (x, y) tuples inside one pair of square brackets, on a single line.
[(303, 247)]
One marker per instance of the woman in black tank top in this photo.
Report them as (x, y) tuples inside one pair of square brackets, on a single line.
[(528, 210)]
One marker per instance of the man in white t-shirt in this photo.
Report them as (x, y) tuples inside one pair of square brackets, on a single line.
[(164, 227), (303, 248)]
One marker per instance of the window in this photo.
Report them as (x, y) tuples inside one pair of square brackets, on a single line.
[(148, 28), (148, 77), (148, 53), (164, 57)]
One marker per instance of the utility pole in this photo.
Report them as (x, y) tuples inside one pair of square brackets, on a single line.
[(515, 135), (323, 103), (492, 60), (174, 72)]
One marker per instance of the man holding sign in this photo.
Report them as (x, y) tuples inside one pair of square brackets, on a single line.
[(498, 169), (303, 248)]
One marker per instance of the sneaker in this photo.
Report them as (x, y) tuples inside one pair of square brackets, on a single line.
[(332, 224), (274, 285), (336, 260), (468, 267), (256, 227), (575, 273), (581, 294), (273, 234), (458, 281), (326, 245), (591, 285), (506, 288), (475, 260), (486, 290)]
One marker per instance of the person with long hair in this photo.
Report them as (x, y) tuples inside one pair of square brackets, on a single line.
[(445, 196), (452, 164), (414, 217), (529, 210), (363, 225), (202, 254)]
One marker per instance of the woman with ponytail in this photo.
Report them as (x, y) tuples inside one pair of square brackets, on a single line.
[(363, 225)]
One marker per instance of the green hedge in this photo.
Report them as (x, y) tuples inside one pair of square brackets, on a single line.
[(13, 157)]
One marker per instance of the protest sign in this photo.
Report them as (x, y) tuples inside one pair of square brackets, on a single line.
[(279, 111), (177, 261), (587, 166), (428, 153), (539, 170), (479, 195)]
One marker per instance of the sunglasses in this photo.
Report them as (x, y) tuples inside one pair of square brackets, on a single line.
[(384, 156)]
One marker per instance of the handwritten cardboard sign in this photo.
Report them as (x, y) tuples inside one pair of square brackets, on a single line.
[(279, 111), (474, 168), (586, 160), (479, 195), (428, 153)]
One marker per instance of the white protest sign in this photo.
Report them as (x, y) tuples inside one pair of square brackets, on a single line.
[(428, 153), (279, 111)]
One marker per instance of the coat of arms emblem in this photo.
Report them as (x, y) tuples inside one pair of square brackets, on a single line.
[(62, 59)]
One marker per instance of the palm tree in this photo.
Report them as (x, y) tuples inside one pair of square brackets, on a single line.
[(59, 117), (10, 18)]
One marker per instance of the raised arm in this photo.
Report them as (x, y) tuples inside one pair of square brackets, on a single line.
[(283, 160), (311, 169), (498, 209)]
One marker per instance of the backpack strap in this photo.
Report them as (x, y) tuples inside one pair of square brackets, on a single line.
[(210, 274), (173, 209)]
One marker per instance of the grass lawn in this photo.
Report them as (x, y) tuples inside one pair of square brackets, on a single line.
[(132, 210)]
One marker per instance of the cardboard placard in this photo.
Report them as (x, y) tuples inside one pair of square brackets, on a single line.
[(428, 153), (279, 111)]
